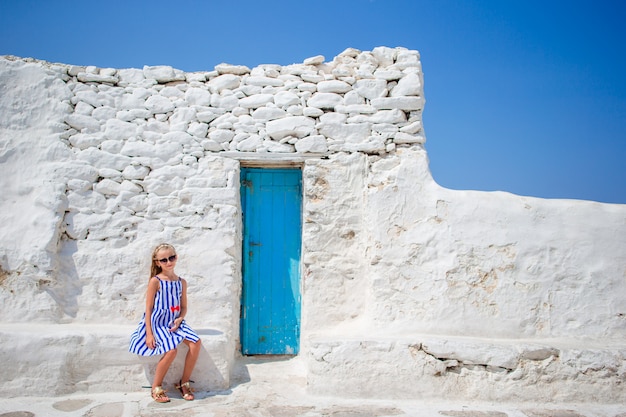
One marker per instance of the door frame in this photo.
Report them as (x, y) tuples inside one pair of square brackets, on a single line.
[(284, 165)]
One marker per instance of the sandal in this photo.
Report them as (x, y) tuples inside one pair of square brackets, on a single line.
[(158, 395), (186, 390)]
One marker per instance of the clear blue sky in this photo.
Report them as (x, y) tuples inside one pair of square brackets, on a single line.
[(526, 96)]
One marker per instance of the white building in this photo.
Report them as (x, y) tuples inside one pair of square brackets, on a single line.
[(388, 285)]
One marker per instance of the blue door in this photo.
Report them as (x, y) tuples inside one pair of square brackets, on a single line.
[(270, 305)]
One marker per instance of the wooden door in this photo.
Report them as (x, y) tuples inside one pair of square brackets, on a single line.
[(270, 313)]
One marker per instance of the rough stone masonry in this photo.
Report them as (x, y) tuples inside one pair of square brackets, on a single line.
[(409, 290)]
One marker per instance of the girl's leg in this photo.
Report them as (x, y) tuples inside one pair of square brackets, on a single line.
[(162, 367), (190, 362), (190, 359)]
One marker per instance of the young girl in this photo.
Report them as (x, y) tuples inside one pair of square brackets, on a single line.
[(166, 306)]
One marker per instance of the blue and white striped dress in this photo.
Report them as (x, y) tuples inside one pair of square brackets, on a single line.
[(166, 309)]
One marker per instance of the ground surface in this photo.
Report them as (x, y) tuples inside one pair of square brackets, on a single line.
[(276, 388)]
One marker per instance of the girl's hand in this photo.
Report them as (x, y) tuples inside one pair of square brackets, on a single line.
[(150, 342), (176, 324)]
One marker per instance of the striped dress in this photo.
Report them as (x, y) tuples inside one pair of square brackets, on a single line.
[(166, 309)]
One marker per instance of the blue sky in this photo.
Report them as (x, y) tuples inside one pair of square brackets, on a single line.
[(527, 96)]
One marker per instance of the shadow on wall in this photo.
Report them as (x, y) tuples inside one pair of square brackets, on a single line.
[(68, 287), (206, 374)]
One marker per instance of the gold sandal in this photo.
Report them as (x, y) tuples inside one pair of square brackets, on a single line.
[(158, 395), (187, 396)]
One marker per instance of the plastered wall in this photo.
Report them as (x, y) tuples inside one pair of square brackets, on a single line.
[(400, 276)]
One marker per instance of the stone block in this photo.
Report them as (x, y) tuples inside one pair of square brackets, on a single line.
[(61, 359)]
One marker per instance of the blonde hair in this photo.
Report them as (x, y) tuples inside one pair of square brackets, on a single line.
[(155, 267)]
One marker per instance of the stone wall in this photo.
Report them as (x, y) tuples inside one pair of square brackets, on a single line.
[(400, 276)]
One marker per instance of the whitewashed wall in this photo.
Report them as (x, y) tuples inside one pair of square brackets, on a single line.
[(459, 294), (409, 289)]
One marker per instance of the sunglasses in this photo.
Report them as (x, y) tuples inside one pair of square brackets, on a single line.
[(164, 260)]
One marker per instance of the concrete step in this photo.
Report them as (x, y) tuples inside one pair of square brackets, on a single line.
[(439, 367), (56, 359)]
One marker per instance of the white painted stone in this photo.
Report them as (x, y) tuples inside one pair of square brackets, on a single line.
[(473, 353), (286, 98), (402, 103), (385, 56), (268, 113), (227, 119), (353, 132), (250, 90), (312, 77), (240, 111), (343, 72), (109, 173), (223, 82), (221, 135), (277, 147), (83, 108), (130, 76), (83, 141), (409, 85), (325, 100), (97, 78), (356, 109), (107, 187), (198, 129), (264, 81), (314, 60), (310, 87), (246, 124), (182, 138), (333, 86), (295, 110), (350, 52), (104, 113), (88, 201), (159, 104), (255, 101), (183, 115), (382, 116), (371, 88), (75, 184), (406, 59), (82, 123), (79, 224), (227, 102), (91, 97), (101, 159), (232, 69), (162, 73), (313, 144), (385, 128), (198, 96), (162, 151), (298, 126), (135, 172), (353, 98), (403, 138), (133, 101), (163, 186), (250, 144), (115, 129), (312, 112), (333, 118), (199, 77), (388, 74), (211, 145), (206, 116), (412, 127)]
